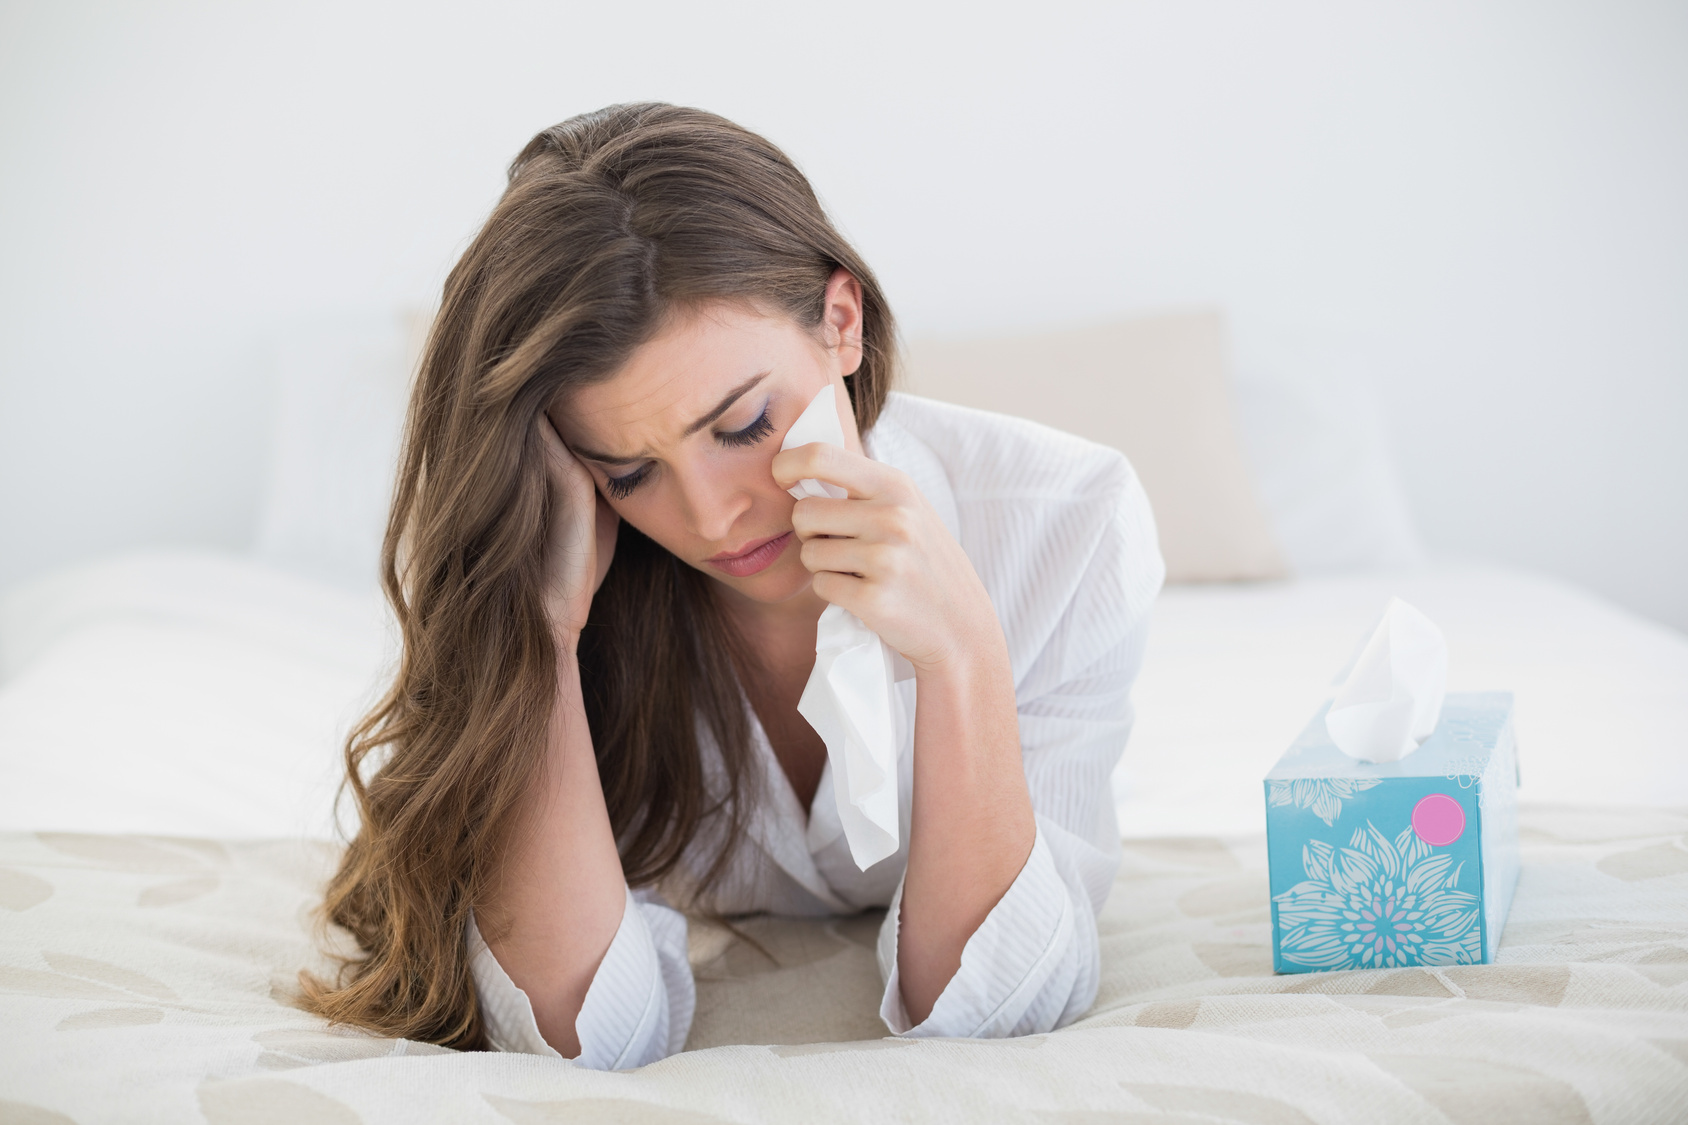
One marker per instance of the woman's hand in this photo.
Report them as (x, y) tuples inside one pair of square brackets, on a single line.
[(885, 555), (579, 537), (891, 561)]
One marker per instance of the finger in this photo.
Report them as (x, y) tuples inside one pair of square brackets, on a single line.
[(607, 527), (565, 471), (558, 459), (867, 600), (844, 590), (548, 435), (875, 562), (861, 477), (880, 521)]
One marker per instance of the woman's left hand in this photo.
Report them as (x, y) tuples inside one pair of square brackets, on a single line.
[(885, 555)]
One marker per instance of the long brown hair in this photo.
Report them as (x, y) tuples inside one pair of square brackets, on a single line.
[(610, 222)]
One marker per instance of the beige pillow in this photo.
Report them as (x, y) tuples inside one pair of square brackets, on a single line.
[(1154, 388)]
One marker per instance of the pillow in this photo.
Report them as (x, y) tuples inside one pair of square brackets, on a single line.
[(1315, 438), (184, 693), (341, 391), (1154, 388)]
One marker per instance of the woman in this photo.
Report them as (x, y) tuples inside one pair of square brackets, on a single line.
[(609, 606)]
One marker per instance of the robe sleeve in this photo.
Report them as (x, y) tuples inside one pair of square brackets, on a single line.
[(638, 1008)]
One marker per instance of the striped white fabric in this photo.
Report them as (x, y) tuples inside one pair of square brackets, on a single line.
[(1061, 534)]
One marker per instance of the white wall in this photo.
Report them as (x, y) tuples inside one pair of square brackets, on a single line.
[(1478, 210)]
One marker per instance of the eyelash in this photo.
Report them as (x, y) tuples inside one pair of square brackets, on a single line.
[(622, 487), (751, 434)]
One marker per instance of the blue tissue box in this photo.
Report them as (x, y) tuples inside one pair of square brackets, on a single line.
[(1397, 863)]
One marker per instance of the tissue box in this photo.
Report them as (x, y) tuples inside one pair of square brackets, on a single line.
[(1398, 863)]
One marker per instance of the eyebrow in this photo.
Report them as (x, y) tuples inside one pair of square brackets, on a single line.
[(721, 408)]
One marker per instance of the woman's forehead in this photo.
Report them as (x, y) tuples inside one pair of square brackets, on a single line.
[(680, 376)]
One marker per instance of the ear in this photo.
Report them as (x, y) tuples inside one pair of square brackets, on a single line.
[(841, 320)]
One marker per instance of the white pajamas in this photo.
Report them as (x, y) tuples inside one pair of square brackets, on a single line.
[(1061, 535)]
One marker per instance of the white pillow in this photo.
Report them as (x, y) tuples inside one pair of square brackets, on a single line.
[(1323, 469), (1154, 388), (183, 693), (341, 390)]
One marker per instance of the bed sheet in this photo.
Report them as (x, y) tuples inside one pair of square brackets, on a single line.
[(193, 693), (149, 980), (1233, 673), (200, 699), (196, 693)]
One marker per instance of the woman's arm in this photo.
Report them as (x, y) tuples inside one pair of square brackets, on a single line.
[(884, 555), (559, 894), (972, 826)]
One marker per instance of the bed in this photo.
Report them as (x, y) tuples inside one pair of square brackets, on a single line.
[(169, 727), (148, 952)]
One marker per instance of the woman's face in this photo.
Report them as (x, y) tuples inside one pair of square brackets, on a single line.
[(680, 441)]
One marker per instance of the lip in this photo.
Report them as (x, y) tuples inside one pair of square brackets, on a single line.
[(758, 555)]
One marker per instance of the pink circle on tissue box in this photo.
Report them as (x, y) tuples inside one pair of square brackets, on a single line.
[(1438, 819)]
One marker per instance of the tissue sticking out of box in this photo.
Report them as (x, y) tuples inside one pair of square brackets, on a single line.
[(1392, 697)]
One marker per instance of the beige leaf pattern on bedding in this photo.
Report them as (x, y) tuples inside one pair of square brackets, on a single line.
[(17, 1113), (271, 1101), (1584, 1018), (55, 986), (182, 890), (1227, 1105), (599, 1111), (1471, 1091), (1655, 862), (135, 853), (1543, 985), (20, 890), (1174, 1014), (106, 973), (110, 1017), (289, 1047)]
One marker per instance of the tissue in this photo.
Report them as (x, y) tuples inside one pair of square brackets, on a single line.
[(1392, 698), (848, 699)]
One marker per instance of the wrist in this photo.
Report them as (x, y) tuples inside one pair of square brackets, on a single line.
[(970, 662)]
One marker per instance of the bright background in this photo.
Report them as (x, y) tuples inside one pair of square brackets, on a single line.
[(1474, 216)]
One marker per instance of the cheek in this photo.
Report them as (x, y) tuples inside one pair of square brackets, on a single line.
[(656, 516), (661, 509)]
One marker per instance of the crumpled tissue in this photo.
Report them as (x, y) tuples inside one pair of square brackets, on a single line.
[(1392, 698), (848, 699)]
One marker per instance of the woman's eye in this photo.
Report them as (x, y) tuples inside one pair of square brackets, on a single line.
[(622, 487), (751, 434)]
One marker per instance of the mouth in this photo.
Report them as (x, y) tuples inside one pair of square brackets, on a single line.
[(757, 555)]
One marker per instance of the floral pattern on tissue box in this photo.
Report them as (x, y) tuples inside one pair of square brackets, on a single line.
[(1384, 865)]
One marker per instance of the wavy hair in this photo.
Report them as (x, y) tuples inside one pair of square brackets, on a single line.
[(610, 222)]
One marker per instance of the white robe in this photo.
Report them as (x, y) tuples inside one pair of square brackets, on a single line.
[(1062, 537)]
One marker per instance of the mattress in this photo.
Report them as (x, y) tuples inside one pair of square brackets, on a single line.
[(168, 739)]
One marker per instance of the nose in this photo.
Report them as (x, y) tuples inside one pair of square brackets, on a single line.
[(711, 500)]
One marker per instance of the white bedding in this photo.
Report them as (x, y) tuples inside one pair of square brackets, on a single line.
[(147, 979), (204, 694), (1233, 673), (201, 699)]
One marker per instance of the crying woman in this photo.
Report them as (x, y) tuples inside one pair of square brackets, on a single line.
[(609, 602)]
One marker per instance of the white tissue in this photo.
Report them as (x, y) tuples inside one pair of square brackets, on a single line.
[(818, 422), (848, 697), (1392, 698)]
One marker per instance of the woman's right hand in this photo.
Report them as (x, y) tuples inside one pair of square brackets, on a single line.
[(579, 537)]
